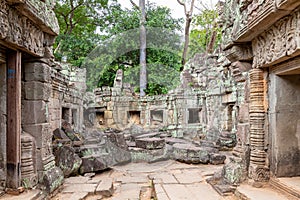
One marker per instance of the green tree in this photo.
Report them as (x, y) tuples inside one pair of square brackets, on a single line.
[(121, 50), (205, 35), (79, 20)]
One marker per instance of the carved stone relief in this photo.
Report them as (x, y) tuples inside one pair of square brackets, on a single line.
[(280, 42), (22, 32), (28, 161)]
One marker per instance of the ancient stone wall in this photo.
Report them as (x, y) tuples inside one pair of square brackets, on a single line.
[(261, 43), (30, 27)]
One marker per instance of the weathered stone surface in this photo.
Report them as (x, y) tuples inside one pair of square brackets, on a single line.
[(227, 139), (40, 132), (34, 112), (148, 135), (37, 71), (105, 187), (37, 91), (145, 155), (92, 163), (59, 134), (28, 161), (217, 159), (190, 154), (150, 143), (52, 179), (66, 127), (118, 139), (67, 160), (234, 172)]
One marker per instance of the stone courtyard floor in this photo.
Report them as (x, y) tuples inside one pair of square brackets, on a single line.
[(172, 181)]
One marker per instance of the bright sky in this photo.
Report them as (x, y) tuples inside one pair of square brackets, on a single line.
[(177, 10)]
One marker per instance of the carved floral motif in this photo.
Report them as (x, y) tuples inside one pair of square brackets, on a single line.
[(278, 42)]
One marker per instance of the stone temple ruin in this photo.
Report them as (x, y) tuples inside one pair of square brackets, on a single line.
[(243, 98)]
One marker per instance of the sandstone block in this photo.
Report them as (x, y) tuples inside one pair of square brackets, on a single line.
[(150, 143), (243, 113), (38, 131), (67, 160), (37, 91), (217, 159), (92, 164), (105, 188), (37, 72), (34, 112)]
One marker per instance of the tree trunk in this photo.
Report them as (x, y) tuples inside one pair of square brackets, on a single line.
[(143, 45), (188, 20), (186, 39)]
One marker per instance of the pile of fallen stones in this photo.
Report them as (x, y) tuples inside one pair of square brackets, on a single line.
[(99, 150)]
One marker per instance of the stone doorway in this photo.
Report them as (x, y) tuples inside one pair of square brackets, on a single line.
[(284, 127), (157, 117), (134, 117)]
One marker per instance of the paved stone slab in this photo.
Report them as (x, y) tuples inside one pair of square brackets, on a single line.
[(105, 187), (160, 192), (164, 178), (78, 196), (293, 182), (71, 196), (189, 177), (178, 192), (133, 179), (77, 180), (128, 191), (203, 191), (72, 188)]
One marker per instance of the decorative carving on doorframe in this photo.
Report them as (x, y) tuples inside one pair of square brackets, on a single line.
[(280, 42)]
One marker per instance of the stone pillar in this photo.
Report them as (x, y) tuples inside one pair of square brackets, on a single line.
[(36, 121), (258, 170), (13, 141)]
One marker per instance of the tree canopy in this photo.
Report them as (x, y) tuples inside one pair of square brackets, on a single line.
[(121, 50), (104, 37)]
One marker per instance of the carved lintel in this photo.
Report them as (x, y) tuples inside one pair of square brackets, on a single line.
[(19, 32), (39, 12), (261, 15), (278, 43)]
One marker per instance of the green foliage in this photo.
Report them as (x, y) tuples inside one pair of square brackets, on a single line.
[(204, 25), (121, 50), (78, 21), (115, 44)]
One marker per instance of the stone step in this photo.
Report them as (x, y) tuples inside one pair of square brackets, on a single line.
[(248, 192), (290, 186)]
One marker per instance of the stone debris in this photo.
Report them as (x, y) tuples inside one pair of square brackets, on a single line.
[(67, 160), (150, 143)]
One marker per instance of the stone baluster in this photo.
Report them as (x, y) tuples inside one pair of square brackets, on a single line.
[(258, 170)]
